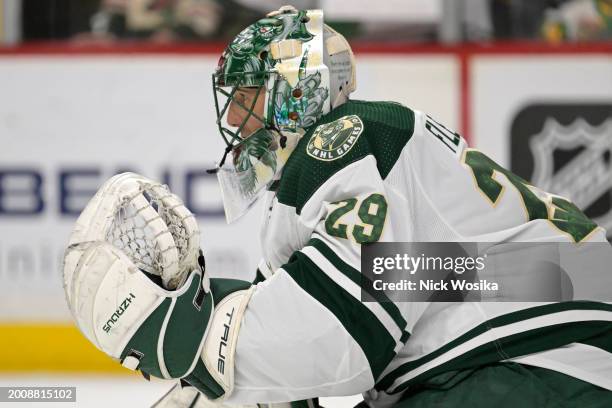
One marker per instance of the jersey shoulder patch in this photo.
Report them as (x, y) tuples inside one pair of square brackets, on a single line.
[(331, 141), (345, 135)]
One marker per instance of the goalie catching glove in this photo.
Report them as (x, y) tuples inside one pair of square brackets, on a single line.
[(135, 283)]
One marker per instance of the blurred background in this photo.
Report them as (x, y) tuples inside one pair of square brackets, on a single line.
[(89, 88)]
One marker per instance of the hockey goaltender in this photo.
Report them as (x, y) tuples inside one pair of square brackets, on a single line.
[(336, 174)]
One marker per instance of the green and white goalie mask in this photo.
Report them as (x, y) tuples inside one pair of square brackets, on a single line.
[(303, 69)]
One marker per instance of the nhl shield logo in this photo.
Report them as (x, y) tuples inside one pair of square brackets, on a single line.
[(333, 140), (566, 149), (586, 174)]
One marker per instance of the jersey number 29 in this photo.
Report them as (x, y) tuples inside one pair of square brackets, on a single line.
[(372, 212)]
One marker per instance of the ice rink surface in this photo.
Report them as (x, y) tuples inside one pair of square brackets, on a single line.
[(115, 391)]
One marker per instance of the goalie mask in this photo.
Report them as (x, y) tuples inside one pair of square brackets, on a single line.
[(302, 69), (133, 278)]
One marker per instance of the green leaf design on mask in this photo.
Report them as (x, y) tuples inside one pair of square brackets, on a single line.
[(296, 28), (258, 147), (309, 107), (244, 54)]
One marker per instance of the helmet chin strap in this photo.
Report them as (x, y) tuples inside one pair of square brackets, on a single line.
[(222, 162), (229, 148)]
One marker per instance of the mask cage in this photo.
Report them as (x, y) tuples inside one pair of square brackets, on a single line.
[(225, 87), (224, 98)]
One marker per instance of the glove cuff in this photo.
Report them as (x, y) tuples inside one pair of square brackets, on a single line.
[(214, 373)]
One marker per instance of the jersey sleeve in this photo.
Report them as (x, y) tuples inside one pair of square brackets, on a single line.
[(306, 332)]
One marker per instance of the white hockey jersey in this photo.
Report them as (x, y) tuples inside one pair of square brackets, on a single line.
[(378, 171)]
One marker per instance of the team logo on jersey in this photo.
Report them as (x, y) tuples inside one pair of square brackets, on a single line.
[(333, 140), (567, 150)]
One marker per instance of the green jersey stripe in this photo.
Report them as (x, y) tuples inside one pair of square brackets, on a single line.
[(353, 289), (578, 360), (519, 318), (356, 276), (516, 345), (365, 328), (551, 315), (602, 341), (500, 321)]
